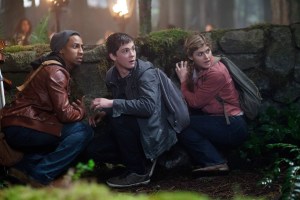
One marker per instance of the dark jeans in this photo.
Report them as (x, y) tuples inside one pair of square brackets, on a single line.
[(121, 145), (206, 135), (47, 156)]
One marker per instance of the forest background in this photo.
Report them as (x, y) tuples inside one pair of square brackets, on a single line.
[(93, 18)]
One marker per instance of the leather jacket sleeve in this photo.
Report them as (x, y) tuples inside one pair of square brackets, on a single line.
[(58, 88)]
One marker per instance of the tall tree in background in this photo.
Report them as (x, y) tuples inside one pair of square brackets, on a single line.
[(280, 10), (294, 11), (225, 14), (78, 22), (145, 17), (163, 19), (285, 11), (267, 10), (13, 12)]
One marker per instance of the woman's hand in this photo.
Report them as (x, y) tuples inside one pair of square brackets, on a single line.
[(182, 70)]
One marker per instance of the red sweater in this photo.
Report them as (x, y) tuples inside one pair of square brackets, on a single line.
[(215, 81)]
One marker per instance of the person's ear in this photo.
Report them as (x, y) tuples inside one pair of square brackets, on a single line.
[(112, 56), (191, 58)]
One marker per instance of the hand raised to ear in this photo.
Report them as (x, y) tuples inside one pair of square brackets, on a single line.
[(182, 70)]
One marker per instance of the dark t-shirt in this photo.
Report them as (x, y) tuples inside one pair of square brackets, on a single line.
[(122, 83)]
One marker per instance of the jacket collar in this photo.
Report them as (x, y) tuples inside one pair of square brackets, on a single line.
[(52, 56)]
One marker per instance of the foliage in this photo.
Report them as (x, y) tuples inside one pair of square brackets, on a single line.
[(272, 126), (278, 130), (86, 191), (285, 170), (163, 48), (39, 48), (238, 197), (2, 184), (264, 26), (83, 190), (40, 33), (283, 124), (82, 168)]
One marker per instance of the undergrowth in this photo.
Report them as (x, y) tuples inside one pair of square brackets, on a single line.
[(275, 139)]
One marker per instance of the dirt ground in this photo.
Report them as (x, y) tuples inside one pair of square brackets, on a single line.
[(224, 187), (242, 182)]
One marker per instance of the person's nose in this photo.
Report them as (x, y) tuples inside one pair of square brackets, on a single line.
[(132, 52), (206, 55), (80, 49)]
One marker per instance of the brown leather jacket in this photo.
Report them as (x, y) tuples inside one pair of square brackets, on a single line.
[(44, 104)]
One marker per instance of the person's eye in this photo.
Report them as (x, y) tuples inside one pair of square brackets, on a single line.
[(207, 51), (74, 46), (200, 53), (125, 51)]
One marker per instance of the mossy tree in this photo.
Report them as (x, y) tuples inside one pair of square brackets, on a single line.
[(145, 17)]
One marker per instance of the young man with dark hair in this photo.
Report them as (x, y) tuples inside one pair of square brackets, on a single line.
[(140, 130), (41, 121)]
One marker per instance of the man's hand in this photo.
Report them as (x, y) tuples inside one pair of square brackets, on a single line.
[(100, 103), (79, 104), (97, 118)]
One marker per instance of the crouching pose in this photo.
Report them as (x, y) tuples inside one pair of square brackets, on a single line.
[(41, 121), (203, 80), (137, 115)]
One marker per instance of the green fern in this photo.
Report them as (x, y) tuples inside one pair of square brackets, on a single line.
[(272, 126), (278, 129), (285, 170), (82, 168), (291, 185), (40, 33)]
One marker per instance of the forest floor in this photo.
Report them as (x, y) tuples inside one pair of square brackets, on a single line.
[(243, 179), (224, 187), (236, 182)]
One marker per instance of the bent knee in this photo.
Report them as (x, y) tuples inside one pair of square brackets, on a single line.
[(87, 131), (81, 131)]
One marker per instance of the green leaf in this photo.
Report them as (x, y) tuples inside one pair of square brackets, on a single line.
[(40, 33)]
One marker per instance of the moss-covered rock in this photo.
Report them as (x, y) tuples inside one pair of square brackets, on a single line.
[(163, 48), (269, 54)]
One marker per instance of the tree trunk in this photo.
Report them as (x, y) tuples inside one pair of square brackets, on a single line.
[(280, 10), (13, 12), (145, 17), (267, 10), (225, 14), (163, 19), (212, 8), (294, 8)]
